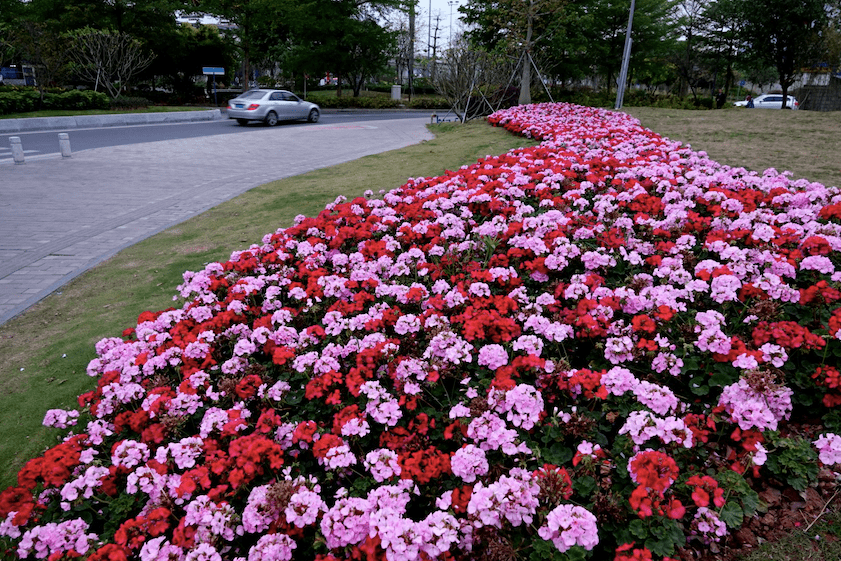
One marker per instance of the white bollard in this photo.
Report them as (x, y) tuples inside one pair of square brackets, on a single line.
[(17, 149), (64, 144)]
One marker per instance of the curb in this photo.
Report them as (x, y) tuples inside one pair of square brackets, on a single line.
[(121, 119)]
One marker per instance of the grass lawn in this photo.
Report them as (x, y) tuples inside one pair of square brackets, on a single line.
[(45, 350)]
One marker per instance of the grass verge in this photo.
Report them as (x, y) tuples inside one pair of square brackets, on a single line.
[(45, 350)]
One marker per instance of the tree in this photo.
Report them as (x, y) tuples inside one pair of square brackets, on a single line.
[(466, 75), (343, 37), (690, 28), (151, 21), (721, 39), (44, 50), (515, 25), (406, 31), (786, 35), (109, 58), (191, 48), (605, 35), (247, 15)]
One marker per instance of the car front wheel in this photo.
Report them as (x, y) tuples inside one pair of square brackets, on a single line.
[(313, 117), (271, 119)]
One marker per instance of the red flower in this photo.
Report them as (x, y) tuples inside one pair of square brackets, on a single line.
[(110, 552), (247, 387), (643, 323)]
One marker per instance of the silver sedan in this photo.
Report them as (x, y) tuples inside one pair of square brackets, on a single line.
[(271, 107)]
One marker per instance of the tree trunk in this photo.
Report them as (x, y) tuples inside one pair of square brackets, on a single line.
[(525, 79)]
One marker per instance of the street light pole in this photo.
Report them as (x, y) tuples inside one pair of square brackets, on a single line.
[(429, 40), (451, 3), (626, 57)]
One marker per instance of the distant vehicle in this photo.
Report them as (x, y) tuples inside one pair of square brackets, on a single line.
[(271, 107), (770, 101)]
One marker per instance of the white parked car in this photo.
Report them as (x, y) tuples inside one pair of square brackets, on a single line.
[(770, 101), (271, 107)]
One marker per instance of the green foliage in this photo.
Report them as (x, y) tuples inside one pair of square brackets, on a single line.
[(18, 101), (347, 101), (127, 102), (794, 460), (428, 103), (742, 501), (632, 98), (23, 100), (788, 36)]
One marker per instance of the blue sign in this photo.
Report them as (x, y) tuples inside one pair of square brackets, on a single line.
[(742, 83), (213, 71)]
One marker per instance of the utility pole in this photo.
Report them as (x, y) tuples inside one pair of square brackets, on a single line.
[(626, 57)]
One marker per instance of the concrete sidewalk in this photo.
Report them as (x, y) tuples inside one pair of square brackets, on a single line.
[(61, 216)]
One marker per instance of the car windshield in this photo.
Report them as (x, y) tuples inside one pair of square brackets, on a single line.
[(253, 94)]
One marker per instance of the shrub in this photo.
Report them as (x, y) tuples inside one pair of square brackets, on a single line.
[(594, 347), (19, 101), (25, 100), (126, 102), (348, 101), (428, 103)]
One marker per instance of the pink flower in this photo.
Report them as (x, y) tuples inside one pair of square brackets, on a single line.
[(493, 356), (469, 462), (570, 525), (829, 448), (382, 463)]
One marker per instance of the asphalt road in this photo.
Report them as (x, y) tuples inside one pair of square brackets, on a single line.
[(46, 142)]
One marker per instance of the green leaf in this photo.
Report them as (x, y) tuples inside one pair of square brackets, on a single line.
[(690, 363), (584, 485), (660, 548), (723, 377), (732, 514), (638, 529), (558, 454), (750, 503), (698, 385), (576, 554), (541, 550)]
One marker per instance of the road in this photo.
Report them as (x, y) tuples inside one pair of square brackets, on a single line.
[(43, 143)]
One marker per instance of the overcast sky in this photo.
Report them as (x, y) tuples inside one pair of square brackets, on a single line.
[(442, 8)]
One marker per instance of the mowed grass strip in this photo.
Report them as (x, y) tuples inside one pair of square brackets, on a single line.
[(44, 352)]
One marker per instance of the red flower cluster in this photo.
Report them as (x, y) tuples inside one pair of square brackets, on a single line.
[(654, 472), (787, 334), (627, 552), (704, 489)]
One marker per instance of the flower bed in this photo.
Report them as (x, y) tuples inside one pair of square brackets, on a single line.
[(594, 347)]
